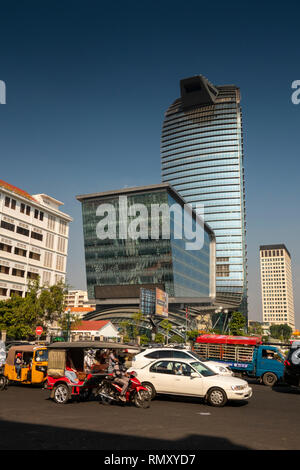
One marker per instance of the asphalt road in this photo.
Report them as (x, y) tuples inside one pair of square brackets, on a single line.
[(29, 420)]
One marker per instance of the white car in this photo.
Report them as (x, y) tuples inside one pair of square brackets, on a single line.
[(190, 377), (145, 357)]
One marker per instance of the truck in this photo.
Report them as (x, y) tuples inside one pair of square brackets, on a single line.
[(245, 355)]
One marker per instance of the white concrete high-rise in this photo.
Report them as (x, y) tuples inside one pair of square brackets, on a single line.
[(276, 285)]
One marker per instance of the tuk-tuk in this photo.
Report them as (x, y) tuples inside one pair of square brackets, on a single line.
[(3, 379), (77, 368), (26, 364)]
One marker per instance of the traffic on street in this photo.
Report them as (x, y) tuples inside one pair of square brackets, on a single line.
[(96, 395)]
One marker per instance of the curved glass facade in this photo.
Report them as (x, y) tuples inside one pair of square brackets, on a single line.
[(202, 158)]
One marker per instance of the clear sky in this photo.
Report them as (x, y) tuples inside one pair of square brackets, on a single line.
[(88, 84)]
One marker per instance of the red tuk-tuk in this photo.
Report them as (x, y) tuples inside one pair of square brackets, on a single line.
[(72, 372)]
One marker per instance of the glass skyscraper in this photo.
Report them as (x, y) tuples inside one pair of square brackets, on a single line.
[(162, 262), (118, 267), (202, 158)]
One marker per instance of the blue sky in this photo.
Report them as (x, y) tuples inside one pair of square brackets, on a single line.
[(88, 84)]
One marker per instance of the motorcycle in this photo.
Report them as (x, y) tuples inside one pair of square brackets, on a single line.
[(109, 392)]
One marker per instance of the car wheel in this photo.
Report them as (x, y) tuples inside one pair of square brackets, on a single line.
[(295, 358), (216, 397), (150, 389), (269, 379), (61, 394)]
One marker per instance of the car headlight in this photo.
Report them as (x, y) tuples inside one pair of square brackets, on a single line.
[(223, 369), (238, 387)]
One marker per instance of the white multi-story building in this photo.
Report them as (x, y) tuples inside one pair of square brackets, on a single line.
[(77, 298), (33, 240), (276, 285)]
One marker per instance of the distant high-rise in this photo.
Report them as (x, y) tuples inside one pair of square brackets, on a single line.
[(202, 158), (276, 285)]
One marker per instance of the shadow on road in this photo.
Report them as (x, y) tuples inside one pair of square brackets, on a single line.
[(185, 399), (19, 436), (284, 388)]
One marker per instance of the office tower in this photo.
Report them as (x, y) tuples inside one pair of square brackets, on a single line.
[(118, 268), (202, 158), (276, 285), (34, 236)]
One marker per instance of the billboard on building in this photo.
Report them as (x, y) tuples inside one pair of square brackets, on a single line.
[(154, 302), (147, 301), (161, 306)]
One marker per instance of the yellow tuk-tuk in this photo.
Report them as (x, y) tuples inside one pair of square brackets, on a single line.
[(26, 364)]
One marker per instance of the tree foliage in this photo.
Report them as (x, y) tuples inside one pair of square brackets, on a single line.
[(237, 324), (282, 332), (19, 316), (192, 335)]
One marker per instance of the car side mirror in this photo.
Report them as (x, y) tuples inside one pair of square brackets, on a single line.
[(194, 375)]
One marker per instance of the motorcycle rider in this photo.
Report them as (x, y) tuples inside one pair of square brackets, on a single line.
[(121, 377), (112, 360)]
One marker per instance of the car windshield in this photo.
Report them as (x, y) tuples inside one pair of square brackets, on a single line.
[(202, 369), (41, 355), (196, 356)]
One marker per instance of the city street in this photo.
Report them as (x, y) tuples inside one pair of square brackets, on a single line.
[(30, 420)]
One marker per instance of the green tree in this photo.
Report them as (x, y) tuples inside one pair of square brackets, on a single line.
[(159, 338), (125, 330), (176, 339), (14, 319), (137, 317), (237, 324), (144, 340), (53, 302), (256, 329), (167, 326), (19, 316), (192, 335), (282, 332)]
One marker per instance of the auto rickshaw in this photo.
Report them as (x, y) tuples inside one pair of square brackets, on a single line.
[(26, 364), (71, 375)]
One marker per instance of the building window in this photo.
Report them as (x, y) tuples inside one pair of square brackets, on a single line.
[(27, 210), (23, 231), (41, 216), (36, 214), (48, 260), (7, 201), (7, 226), (18, 293), (37, 236), (4, 269), (49, 240), (13, 204), (61, 243), (18, 272), (4, 247), (46, 277), (31, 275), (20, 252), (3, 291), (51, 222), (34, 256), (60, 263), (62, 227), (22, 208)]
